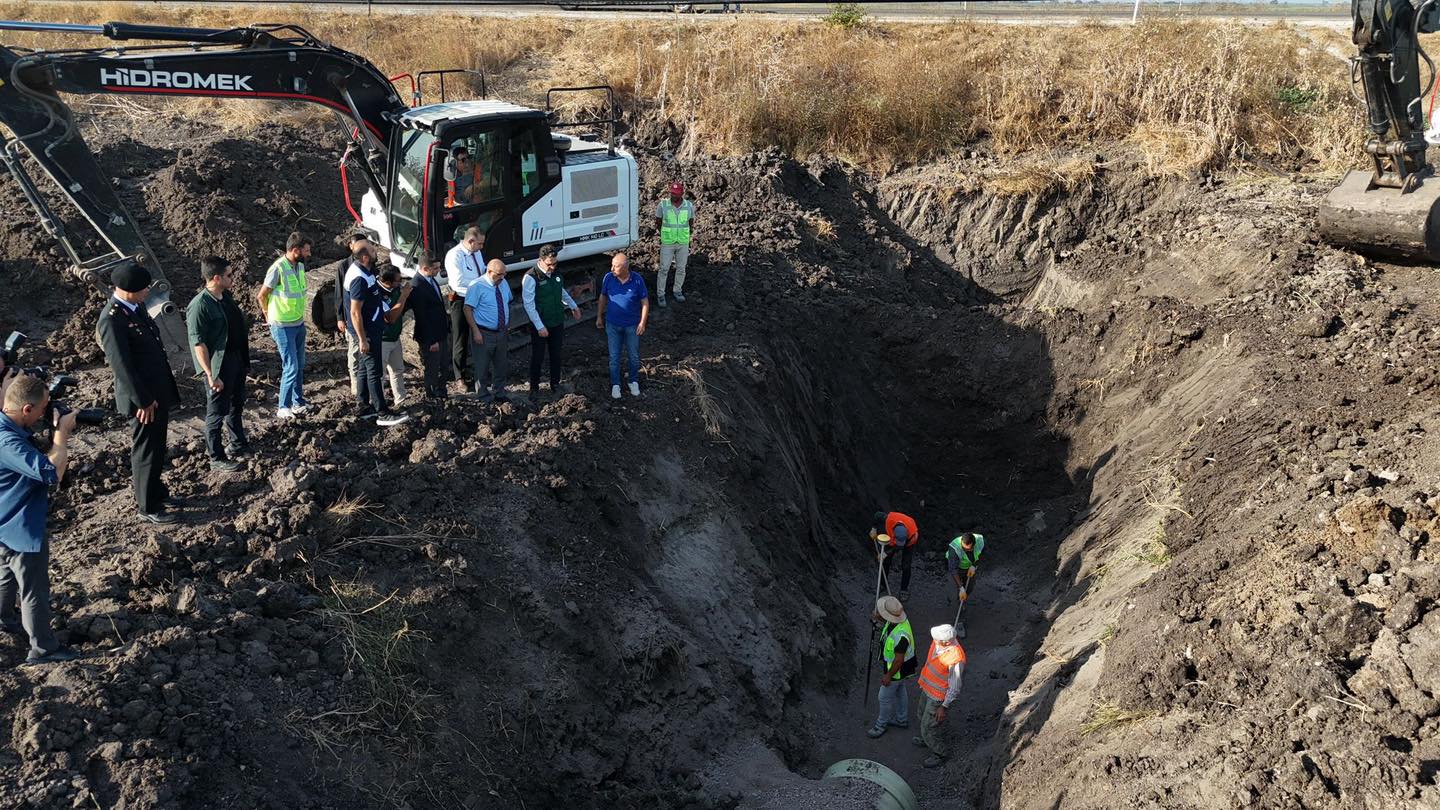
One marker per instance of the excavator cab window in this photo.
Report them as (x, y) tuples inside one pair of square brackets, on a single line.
[(406, 189), (477, 170), (474, 196)]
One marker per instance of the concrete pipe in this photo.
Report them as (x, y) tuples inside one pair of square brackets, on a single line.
[(895, 795)]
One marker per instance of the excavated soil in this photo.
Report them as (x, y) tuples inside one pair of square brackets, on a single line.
[(1198, 442)]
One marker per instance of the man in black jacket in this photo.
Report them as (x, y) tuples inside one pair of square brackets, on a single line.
[(144, 386), (432, 325)]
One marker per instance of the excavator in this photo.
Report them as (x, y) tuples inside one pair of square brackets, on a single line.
[(433, 170), (1391, 209)]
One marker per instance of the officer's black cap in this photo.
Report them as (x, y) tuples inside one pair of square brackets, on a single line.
[(131, 278)]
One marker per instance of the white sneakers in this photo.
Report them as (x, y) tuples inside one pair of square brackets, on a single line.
[(634, 390), (299, 410), (285, 413), (614, 392)]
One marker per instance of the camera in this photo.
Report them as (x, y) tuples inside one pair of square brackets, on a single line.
[(57, 386)]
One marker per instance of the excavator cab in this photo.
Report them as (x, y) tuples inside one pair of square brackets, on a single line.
[(501, 167)]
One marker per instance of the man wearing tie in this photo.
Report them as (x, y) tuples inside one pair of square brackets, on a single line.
[(463, 265), (432, 325), (144, 387), (487, 310)]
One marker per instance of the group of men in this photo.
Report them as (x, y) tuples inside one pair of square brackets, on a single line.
[(461, 325), (896, 534)]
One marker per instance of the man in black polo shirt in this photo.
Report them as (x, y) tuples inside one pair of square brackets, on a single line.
[(221, 345)]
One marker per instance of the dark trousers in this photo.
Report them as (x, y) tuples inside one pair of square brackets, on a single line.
[(437, 369), (491, 362), (369, 373), (459, 340), (905, 554), (538, 347), (25, 579), (223, 412), (147, 460)]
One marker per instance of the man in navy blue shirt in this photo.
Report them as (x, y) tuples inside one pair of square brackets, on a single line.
[(26, 475), (367, 319)]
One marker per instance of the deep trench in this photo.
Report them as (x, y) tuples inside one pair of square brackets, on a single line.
[(948, 420)]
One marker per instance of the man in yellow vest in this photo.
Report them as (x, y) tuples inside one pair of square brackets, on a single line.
[(940, 681), (898, 656), (674, 218), (282, 297)]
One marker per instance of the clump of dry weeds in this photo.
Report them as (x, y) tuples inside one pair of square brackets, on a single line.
[(1191, 96)]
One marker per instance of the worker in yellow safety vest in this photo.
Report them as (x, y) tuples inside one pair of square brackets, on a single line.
[(898, 663), (673, 217), (940, 681)]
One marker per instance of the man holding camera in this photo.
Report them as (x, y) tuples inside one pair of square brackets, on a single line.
[(144, 386), (26, 475)]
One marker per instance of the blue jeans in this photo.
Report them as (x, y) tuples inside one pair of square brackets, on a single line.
[(894, 705), (290, 340), (613, 335)]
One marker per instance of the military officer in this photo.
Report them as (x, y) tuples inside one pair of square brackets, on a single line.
[(144, 387)]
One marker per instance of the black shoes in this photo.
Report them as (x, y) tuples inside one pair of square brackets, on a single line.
[(388, 418), (159, 518), (225, 465), (55, 656)]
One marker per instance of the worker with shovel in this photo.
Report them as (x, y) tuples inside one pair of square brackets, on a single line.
[(900, 534), (963, 555), (898, 664)]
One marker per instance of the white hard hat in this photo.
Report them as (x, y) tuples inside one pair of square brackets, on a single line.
[(945, 633)]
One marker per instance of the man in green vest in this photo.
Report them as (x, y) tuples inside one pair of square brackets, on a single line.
[(897, 664), (546, 300), (962, 557), (674, 218), (282, 296)]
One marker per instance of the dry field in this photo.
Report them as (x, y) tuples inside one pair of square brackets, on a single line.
[(1191, 96)]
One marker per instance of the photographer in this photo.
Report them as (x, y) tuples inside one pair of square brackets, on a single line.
[(25, 477), (144, 387)]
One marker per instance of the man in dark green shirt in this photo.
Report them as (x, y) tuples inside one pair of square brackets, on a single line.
[(220, 341)]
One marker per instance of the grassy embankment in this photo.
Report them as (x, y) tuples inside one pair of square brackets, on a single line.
[(1189, 97)]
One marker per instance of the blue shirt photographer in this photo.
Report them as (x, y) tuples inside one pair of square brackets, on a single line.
[(25, 478)]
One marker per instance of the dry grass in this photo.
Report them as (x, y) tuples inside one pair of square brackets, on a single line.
[(1190, 96), (1108, 715), (712, 414), (1036, 179)]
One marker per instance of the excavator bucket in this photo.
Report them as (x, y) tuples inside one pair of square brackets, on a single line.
[(1378, 221)]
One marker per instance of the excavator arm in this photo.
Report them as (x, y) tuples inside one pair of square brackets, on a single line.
[(1391, 210), (255, 62)]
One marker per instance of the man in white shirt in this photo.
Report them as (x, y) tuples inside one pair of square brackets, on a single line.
[(464, 264)]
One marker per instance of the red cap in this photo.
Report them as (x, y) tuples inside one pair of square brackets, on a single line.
[(677, 189)]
